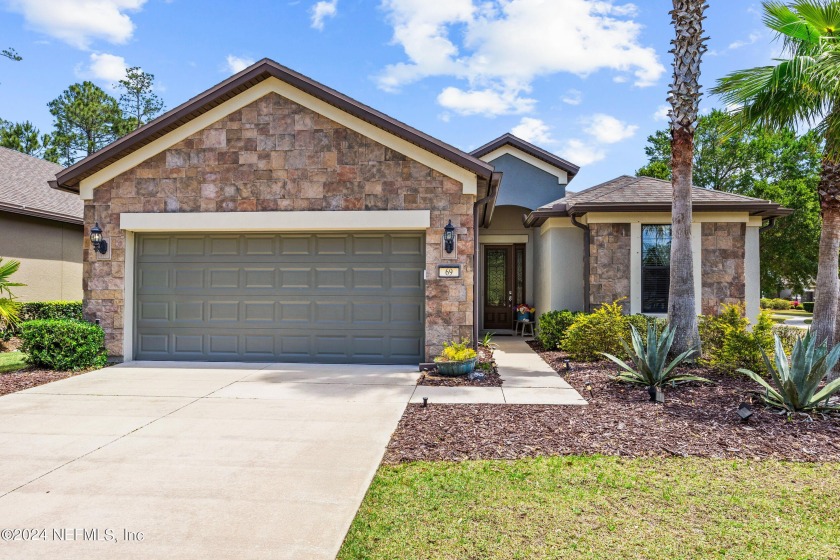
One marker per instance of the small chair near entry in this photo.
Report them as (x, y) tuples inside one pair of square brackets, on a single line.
[(527, 324)]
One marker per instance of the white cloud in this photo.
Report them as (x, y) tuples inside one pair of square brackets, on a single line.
[(580, 152), (572, 97), (607, 129), (484, 102), (534, 131), (323, 10), (107, 68), (661, 113), (238, 63), (79, 22), (484, 43), (751, 39)]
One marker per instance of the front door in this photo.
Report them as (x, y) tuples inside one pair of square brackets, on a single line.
[(498, 286)]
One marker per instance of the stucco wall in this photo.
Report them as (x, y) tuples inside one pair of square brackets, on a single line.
[(50, 254), (525, 185), (275, 155), (559, 267)]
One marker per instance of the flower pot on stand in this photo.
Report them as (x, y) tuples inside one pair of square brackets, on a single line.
[(523, 316)]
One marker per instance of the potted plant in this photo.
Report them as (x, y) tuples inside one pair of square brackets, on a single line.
[(456, 359), (524, 312)]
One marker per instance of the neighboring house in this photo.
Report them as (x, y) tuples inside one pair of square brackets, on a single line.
[(271, 218), (41, 228)]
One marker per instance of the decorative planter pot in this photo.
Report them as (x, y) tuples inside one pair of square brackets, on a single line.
[(524, 316), (455, 369)]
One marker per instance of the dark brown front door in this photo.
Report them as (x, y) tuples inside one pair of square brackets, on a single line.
[(498, 286)]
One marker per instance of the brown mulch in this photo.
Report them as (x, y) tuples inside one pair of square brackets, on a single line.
[(695, 420), (31, 377), (11, 345), (491, 376)]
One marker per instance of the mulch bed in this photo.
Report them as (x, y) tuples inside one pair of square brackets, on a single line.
[(491, 376), (31, 377), (11, 345), (695, 420)]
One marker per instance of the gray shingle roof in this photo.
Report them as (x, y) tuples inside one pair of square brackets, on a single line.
[(24, 188), (636, 194)]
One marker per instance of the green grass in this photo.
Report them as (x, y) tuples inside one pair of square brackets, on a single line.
[(792, 313), (12, 361), (599, 507)]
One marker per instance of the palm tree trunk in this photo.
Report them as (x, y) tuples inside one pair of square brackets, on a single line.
[(682, 315), (687, 18), (826, 323)]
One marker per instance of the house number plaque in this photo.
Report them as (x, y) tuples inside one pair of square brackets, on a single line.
[(449, 271)]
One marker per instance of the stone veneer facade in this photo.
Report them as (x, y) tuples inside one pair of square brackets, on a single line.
[(609, 264), (723, 251), (275, 155)]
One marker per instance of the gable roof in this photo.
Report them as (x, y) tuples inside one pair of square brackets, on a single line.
[(508, 139), (25, 189), (646, 194), (238, 83)]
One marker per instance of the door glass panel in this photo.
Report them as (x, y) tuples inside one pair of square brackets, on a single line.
[(496, 273), (519, 289)]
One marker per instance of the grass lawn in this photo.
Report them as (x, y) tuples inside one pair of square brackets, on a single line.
[(599, 507), (12, 361), (791, 313)]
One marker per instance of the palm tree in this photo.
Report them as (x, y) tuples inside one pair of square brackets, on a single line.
[(687, 17), (8, 306), (802, 88)]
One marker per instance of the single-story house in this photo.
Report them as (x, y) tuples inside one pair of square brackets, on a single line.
[(41, 228), (272, 218)]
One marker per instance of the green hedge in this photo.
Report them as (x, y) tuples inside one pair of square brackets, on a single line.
[(35, 310), (63, 344), (780, 304), (808, 306), (553, 326)]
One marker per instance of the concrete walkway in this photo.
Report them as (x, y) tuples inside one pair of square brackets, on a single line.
[(527, 379), (243, 461)]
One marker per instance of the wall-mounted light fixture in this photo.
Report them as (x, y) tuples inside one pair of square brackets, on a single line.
[(449, 237), (99, 244)]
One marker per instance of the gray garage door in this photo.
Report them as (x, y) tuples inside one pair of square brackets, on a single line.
[(331, 297)]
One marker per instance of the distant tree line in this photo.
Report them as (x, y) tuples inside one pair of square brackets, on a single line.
[(85, 118)]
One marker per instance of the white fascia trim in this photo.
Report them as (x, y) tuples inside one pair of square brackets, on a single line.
[(502, 239), (562, 176), (310, 220), (272, 85)]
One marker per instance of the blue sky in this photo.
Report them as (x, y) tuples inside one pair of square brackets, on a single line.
[(585, 79)]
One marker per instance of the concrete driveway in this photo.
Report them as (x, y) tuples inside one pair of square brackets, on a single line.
[(207, 461)]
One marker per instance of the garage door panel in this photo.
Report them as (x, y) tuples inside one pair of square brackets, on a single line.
[(340, 297)]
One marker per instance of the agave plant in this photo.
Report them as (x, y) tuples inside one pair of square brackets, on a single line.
[(797, 381), (650, 358)]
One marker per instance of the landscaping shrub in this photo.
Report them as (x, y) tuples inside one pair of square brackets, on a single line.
[(728, 343), (808, 306), (788, 335), (600, 331), (35, 310), (780, 304), (553, 326), (63, 344)]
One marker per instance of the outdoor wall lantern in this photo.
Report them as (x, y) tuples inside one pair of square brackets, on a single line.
[(99, 244), (449, 237)]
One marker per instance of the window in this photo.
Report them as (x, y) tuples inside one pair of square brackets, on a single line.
[(656, 268)]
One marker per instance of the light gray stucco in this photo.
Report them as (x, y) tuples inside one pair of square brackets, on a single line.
[(525, 185), (559, 268)]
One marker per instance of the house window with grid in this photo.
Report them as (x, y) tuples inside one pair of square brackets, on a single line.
[(656, 267)]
